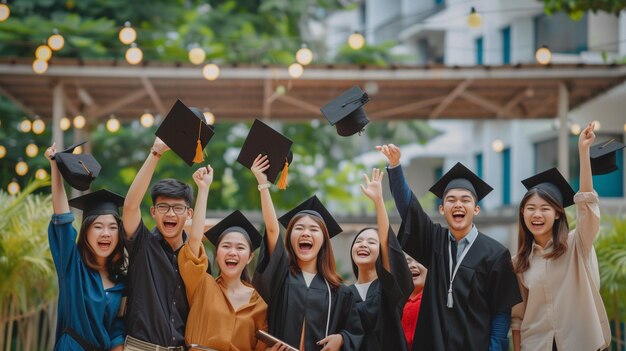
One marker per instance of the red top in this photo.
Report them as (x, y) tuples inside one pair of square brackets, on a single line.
[(409, 317)]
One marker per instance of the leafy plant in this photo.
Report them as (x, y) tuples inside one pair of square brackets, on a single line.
[(576, 8)]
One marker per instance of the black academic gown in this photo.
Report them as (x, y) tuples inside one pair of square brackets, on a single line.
[(381, 312), (290, 303), (484, 285)]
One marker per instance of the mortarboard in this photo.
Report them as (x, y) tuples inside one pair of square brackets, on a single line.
[(603, 156), (553, 183), (78, 170), (346, 112), (314, 207), (460, 177), (262, 139), (185, 131), (235, 222), (101, 202)]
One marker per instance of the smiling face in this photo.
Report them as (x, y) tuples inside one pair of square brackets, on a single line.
[(103, 236), (539, 217), (418, 272), (170, 215), (233, 254), (306, 238), (459, 208), (366, 249)]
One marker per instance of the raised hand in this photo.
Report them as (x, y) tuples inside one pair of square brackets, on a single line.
[(391, 152), (586, 137), (159, 146), (51, 151), (373, 188), (259, 166), (203, 177)]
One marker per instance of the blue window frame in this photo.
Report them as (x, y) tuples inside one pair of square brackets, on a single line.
[(506, 176), (478, 159), (440, 2), (479, 50), (438, 172), (506, 45)]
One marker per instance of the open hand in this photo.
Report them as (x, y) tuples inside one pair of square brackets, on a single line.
[(391, 152), (332, 342), (587, 137), (259, 166), (51, 151), (373, 188), (203, 177)]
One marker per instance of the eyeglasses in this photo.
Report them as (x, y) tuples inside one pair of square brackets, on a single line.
[(165, 208)]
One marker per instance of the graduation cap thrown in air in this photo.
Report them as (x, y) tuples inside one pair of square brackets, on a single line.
[(314, 207), (553, 183), (101, 202), (262, 139), (460, 177), (346, 112), (235, 222), (603, 156), (185, 131), (77, 170)]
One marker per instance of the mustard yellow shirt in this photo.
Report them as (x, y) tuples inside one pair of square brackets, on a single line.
[(212, 321), (561, 297)]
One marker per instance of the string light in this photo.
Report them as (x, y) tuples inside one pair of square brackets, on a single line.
[(596, 125), (134, 55), (356, 40), (497, 145), (281, 90), (25, 126), (32, 150), (41, 174), (3, 151), (5, 11), (624, 127), (43, 52), (209, 117), (211, 71), (65, 123), (79, 122), (113, 124), (21, 168), (40, 66), (543, 55), (78, 150), (197, 55), (147, 120), (38, 126), (296, 70), (304, 56), (56, 40), (474, 19), (13, 187), (127, 35), (575, 129)]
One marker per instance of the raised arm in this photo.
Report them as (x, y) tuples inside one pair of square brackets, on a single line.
[(203, 177), (374, 190), (399, 187), (585, 140), (259, 166), (59, 198), (132, 205), (587, 207)]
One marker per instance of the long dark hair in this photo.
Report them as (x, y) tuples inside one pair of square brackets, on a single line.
[(355, 268), (115, 264), (325, 257), (245, 276), (525, 239)]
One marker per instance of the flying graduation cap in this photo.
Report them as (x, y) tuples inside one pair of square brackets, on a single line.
[(460, 177), (346, 112), (553, 183), (313, 207), (185, 131), (604, 156), (78, 170)]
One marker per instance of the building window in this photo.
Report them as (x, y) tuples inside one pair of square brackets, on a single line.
[(506, 45), (506, 176), (478, 159), (438, 174), (440, 2), (561, 34), (479, 51)]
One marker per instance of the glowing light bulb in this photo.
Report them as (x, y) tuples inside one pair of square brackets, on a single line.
[(13, 187), (209, 117), (197, 55), (543, 55), (211, 71), (3, 151), (56, 41), (356, 40), (39, 126), (5, 12), (575, 129), (32, 150), (134, 55), (21, 168), (79, 122), (78, 150), (596, 125), (497, 145), (43, 52), (65, 123), (127, 35), (40, 66), (296, 70), (147, 120), (41, 174), (474, 19), (304, 56), (25, 126), (113, 124)]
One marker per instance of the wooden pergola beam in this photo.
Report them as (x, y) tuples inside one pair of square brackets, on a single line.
[(154, 96), (515, 100), (98, 113), (484, 103), (450, 98), (300, 104), (407, 108), (17, 102)]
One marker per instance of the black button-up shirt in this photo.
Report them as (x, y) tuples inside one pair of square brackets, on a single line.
[(157, 304)]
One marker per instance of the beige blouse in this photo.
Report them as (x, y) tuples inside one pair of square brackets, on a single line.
[(561, 297), (212, 321)]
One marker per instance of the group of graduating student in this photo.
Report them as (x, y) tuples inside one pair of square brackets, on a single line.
[(428, 288)]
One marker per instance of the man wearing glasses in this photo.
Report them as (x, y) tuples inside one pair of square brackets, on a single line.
[(157, 305)]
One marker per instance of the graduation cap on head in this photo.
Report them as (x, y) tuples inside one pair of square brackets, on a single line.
[(313, 207), (603, 156), (460, 177), (262, 139), (346, 111), (185, 131), (235, 222), (101, 202), (553, 183), (78, 170)]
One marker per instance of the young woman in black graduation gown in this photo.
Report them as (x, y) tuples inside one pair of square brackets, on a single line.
[(297, 279), (383, 277)]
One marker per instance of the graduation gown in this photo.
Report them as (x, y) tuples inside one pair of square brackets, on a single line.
[(381, 312), (484, 285), (290, 303)]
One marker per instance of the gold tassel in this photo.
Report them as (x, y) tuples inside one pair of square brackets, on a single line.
[(282, 181), (199, 157)]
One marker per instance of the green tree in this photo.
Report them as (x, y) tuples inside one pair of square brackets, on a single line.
[(576, 8)]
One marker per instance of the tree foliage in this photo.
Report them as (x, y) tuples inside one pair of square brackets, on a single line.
[(576, 8)]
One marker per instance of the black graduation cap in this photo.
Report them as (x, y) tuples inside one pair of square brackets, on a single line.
[(552, 182), (460, 177), (78, 170), (314, 207), (101, 202), (346, 112), (185, 131), (235, 222), (262, 139), (603, 156)]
